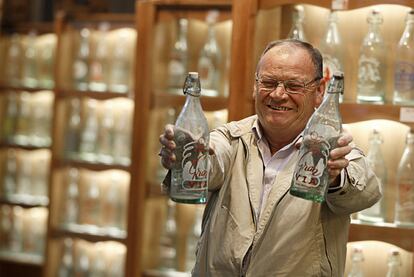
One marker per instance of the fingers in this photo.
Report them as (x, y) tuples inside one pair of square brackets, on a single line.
[(167, 147)]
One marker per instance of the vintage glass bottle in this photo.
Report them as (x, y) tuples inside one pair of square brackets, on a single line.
[(81, 62), (99, 65), (404, 209), (311, 177), (331, 50), (119, 75), (47, 62), (70, 216), (376, 213), (178, 64), (296, 31), (372, 63), (357, 258), (30, 72), (210, 57), (10, 118), (73, 129), (168, 240), (13, 61), (404, 64), (89, 135), (10, 173), (189, 174), (394, 263)]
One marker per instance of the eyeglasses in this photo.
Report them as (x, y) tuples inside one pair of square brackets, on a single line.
[(290, 86)]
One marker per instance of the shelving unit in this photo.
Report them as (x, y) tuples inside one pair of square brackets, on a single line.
[(255, 23), (157, 29)]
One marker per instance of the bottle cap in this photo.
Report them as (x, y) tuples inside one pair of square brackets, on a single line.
[(192, 84)]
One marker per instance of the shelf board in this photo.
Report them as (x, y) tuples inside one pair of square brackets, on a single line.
[(95, 234), (6, 88), (105, 95), (163, 100), (21, 146), (400, 236), (161, 273), (89, 165), (21, 258), (25, 201)]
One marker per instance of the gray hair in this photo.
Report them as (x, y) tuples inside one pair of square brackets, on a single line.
[(313, 52)]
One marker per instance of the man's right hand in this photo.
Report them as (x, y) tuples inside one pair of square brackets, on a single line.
[(167, 147)]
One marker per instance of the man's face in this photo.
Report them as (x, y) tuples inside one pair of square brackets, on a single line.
[(278, 111)]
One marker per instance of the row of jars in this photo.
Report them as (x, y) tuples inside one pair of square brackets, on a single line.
[(372, 64), (27, 118), (82, 258), (24, 175), (94, 202), (23, 230), (99, 131)]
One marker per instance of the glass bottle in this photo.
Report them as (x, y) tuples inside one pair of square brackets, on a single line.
[(330, 48), (404, 64), (16, 233), (5, 226), (210, 58), (10, 173), (10, 120), (113, 203), (47, 62), (121, 150), (24, 176), (99, 67), (297, 32), (120, 65), (192, 239), (376, 213), (404, 210), (106, 134), (372, 63), (394, 263), (66, 266), (311, 178), (72, 134), (189, 174), (89, 135), (30, 72), (81, 63), (24, 119), (168, 240), (13, 61), (71, 208), (178, 64), (42, 110), (91, 203), (357, 258)]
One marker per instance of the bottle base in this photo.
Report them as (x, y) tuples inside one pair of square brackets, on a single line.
[(307, 195), (201, 200)]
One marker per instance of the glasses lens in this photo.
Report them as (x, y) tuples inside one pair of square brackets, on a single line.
[(294, 86)]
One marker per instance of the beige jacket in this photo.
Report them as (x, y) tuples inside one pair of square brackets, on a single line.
[(294, 237)]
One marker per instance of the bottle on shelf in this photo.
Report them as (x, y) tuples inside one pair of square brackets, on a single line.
[(24, 119), (14, 61), (10, 118), (210, 58), (5, 226), (120, 71), (42, 110), (168, 241), (66, 265), (73, 129), (357, 258), (10, 174), (99, 66), (106, 134), (121, 150), (16, 233), (82, 260), (40, 176), (320, 136), (394, 263), (91, 203), (372, 63), (30, 68), (192, 239), (404, 209), (70, 216), (81, 62), (404, 64), (297, 30), (331, 49), (189, 174), (178, 63), (89, 135), (376, 213), (47, 62), (24, 176)]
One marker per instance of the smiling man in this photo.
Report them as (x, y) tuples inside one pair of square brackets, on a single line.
[(252, 226)]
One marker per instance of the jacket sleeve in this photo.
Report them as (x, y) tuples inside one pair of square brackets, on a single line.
[(361, 187)]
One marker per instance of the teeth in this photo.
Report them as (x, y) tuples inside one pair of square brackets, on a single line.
[(278, 108)]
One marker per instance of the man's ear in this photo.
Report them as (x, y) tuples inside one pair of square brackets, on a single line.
[(320, 92), (254, 90)]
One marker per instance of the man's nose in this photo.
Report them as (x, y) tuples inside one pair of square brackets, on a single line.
[(279, 90)]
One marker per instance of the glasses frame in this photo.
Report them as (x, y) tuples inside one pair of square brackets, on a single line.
[(305, 85)]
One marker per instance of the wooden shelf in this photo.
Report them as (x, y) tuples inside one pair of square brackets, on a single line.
[(94, 234), (21, 258), (105, 95), (5, 89), (163, 100), (25, 201), (24, 147), (400, 236), (90, 165), (354, 112)]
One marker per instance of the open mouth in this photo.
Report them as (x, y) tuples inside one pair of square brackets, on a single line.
[(279, 108)]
